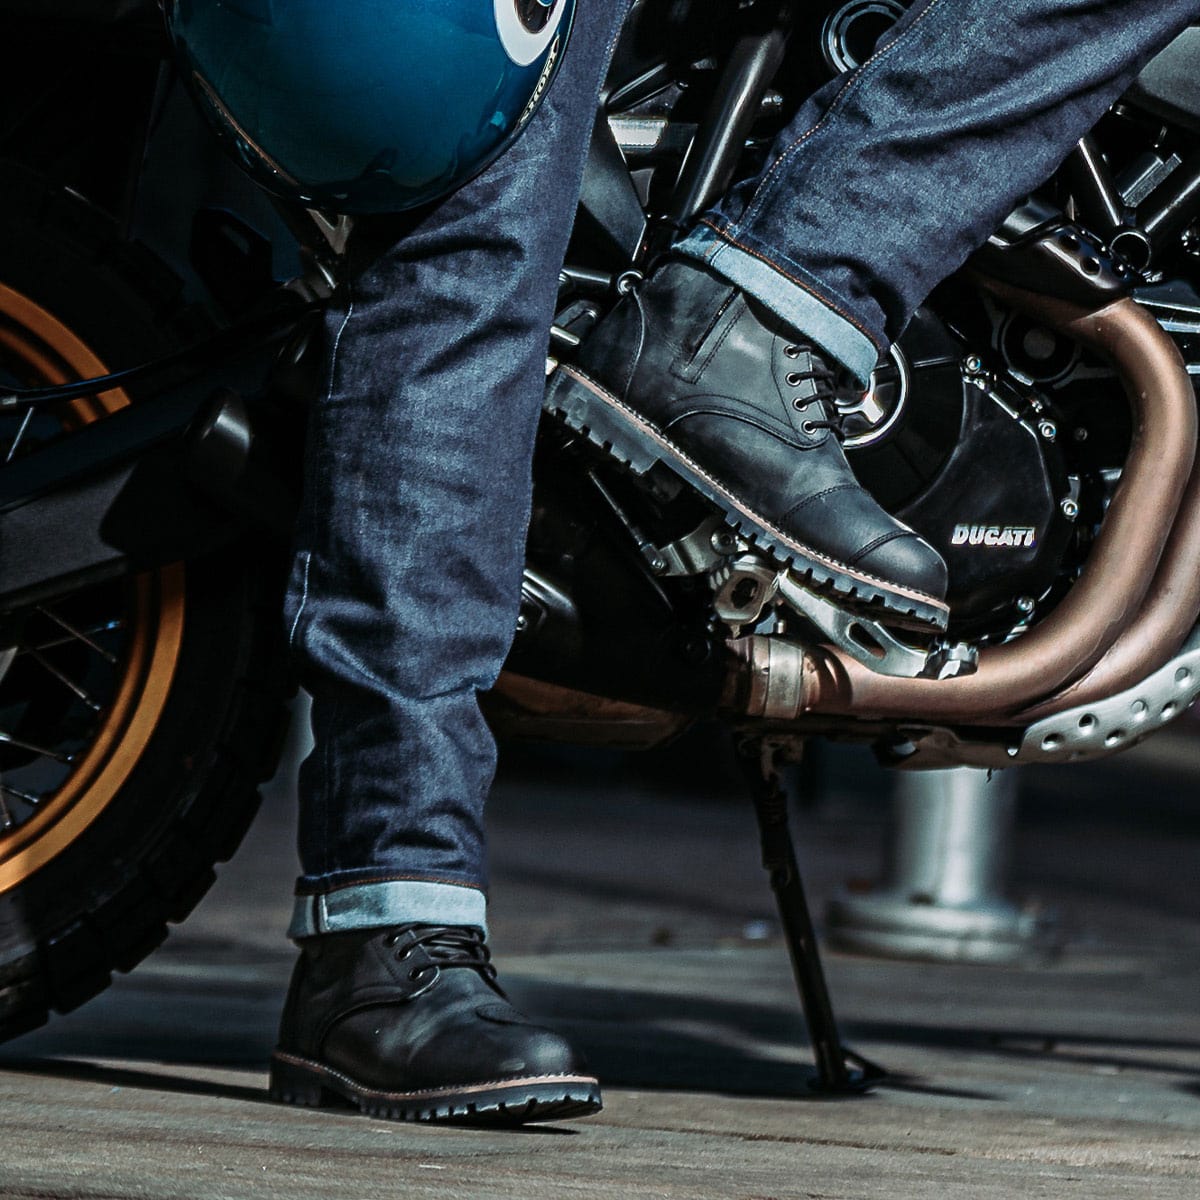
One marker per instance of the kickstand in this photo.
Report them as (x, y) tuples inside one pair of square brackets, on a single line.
[(839, 1071)]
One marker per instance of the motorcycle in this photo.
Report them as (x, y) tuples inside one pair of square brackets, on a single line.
[(1036, 423)]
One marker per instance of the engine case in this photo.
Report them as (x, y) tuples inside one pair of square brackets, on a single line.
[(976, 468)]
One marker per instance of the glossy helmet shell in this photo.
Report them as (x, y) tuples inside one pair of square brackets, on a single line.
[(363, 106)]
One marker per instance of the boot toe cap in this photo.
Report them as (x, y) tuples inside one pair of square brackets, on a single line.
[(905, 558), (537, 1050)]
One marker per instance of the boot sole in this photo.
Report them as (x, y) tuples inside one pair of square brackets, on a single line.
[(519, 1101), (607, 422)]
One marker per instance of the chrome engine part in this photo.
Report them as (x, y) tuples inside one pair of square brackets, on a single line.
[(870, 418)]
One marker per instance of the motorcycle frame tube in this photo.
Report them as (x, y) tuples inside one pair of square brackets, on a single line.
[(710, 164), (1106, 599)]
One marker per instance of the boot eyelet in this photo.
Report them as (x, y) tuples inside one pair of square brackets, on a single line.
[(793, 379), (799, 403), (808, 427), (416, 973), (403, 954), (792, 351)]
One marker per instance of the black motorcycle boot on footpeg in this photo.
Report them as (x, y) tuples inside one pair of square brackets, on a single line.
[(689, 372), (410, 1024)]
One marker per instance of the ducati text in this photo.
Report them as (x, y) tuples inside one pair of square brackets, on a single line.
[(994, 535)]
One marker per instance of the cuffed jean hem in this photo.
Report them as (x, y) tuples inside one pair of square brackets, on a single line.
[(392, 902), (790, 300)]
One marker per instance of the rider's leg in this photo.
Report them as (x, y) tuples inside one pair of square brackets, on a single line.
[(406, 581), (890, 176), (883, 184)]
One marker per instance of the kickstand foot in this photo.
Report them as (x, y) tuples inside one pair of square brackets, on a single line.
[(839, 1071)]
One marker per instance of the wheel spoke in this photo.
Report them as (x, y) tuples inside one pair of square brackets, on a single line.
[(81, 691), (57, 756), (28, 797), (65, 680), (79, 635), (20, 434)]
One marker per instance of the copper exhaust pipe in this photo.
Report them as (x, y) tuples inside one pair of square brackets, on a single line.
[(1105, 600), (1166, 618)]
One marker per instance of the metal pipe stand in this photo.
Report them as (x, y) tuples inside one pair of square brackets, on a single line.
[(944, 899)]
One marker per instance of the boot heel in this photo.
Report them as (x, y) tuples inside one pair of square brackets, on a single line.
[(292, 1083), (600, 420)]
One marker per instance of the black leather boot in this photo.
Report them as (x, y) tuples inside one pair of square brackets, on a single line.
[(690, 372), (410, 1024)]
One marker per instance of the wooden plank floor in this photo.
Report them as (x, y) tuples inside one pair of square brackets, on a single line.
[(628, 907)]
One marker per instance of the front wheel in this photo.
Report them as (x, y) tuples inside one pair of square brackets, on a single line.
[(138, 715)]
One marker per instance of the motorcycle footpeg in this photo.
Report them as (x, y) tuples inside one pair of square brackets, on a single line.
[(872, 643)]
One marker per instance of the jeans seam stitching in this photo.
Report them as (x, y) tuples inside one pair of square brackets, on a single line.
[(333, 358), (303, 599), (762, 257), (329, 889), (337, 342), (856, 77)]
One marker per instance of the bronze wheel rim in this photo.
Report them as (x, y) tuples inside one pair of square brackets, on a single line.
[(106, 719)]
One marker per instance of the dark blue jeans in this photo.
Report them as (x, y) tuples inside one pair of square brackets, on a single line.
[(889, 177), (406, 579)]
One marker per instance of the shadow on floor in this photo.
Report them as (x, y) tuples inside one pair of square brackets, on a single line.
[(636, 1039)]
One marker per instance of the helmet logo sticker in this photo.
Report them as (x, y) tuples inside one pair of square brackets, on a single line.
[(536, 98), (522, 42)]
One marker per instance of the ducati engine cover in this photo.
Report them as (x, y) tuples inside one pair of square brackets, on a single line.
[(977, 469)]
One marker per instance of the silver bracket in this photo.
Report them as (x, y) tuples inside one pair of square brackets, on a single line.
[(949, 660), (742, 589), (701, 551), (706, 547)]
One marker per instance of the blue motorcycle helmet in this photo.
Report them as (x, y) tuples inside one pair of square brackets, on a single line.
[(368, 106)]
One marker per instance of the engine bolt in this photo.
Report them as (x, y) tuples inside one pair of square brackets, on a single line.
[(972, 364), (1081, 434), (522, 623), (1048, 430), (1025, 605), (1070, 509), (723, 542)]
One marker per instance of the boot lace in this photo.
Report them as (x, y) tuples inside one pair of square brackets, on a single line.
[(444, 946), (825, 387), (823, 377)]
